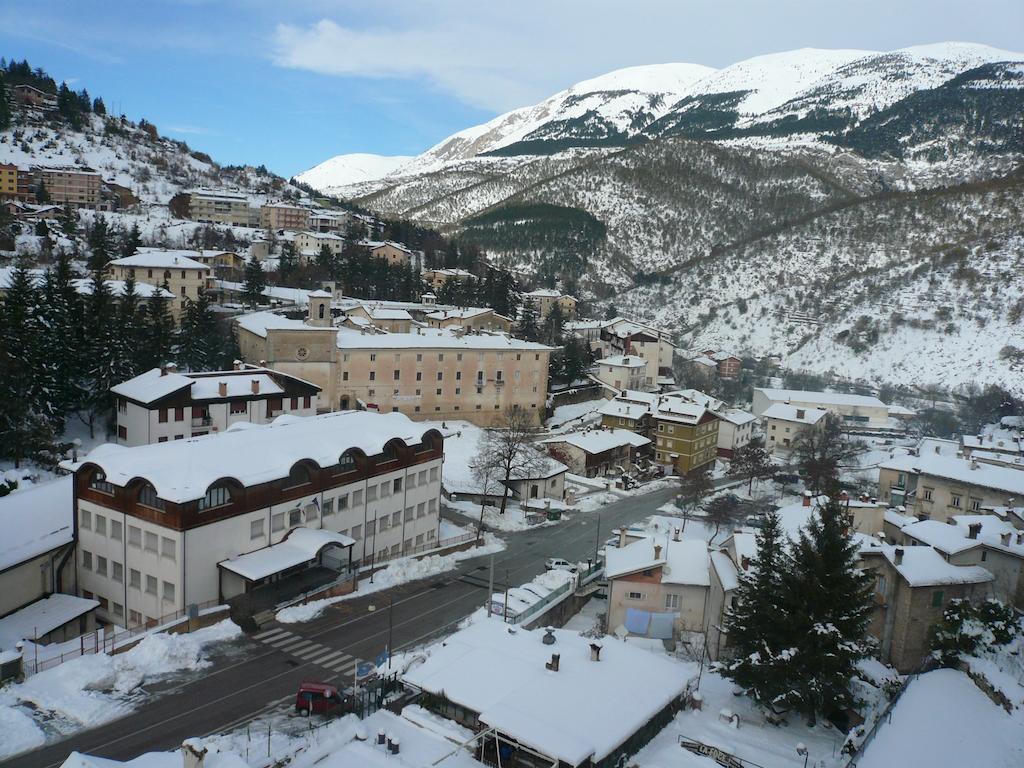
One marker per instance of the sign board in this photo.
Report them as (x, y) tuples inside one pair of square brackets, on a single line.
[(364, 669), (720, 756)]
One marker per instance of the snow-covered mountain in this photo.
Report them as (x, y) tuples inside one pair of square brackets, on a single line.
[(347, 170)]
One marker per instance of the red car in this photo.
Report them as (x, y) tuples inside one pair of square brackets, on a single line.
[(322, 699)]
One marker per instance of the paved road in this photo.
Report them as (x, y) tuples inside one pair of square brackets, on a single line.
[(259, 675)]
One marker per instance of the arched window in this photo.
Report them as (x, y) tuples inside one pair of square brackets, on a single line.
[(390, 452), (148, 497), (298, 476), (98, 482), (320, 311), (167, 274), (216, 496), (347, 463)]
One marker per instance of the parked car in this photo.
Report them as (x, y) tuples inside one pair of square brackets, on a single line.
[(322, 699), (558, 564)]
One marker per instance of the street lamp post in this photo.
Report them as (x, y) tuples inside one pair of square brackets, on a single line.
[(801, 749)]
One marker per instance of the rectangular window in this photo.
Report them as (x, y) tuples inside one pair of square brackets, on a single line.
[(134, 578), (357, 532), (396, 519), (294, 404), (382, 523), (87, 560), (398, 374), (937, 598), (256, 529), (151, 585), (311, 513), (371, 493), (115, 530), (396, 486), (422, 477), (421, 509), (134, 536), (168, 591), (151, 541), (433, 474), (410, 513), (238, 406), (636, 595), (101, 525), (179, 414), (134, 618), (357, 498), (955, 500), (343, 502), (328, 507), (162, 416), (294, 517), (101, 565), (274, 404), (86, 521), (277, 522), (116, 571), (672, 602), (168, 548), (432, 506)]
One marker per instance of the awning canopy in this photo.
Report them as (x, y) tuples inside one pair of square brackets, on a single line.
[(303, 545)]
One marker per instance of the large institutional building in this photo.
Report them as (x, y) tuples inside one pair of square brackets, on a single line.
[(185, 522), (429, 373)]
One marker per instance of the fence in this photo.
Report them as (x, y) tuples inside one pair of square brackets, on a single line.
[(556, 595), (105, 640), (420, 549)]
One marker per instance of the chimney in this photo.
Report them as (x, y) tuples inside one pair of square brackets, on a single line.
[(898, 555), (657, 551), (595, 651), (1020, 537), (1005, 538), (163, 370), (937, 449), (255, 386), (172, 367), (237, 365), (549, 636), (974, 464), (553, 664), (844, 496), (222, 388), (622, 536), (807, 498), (381, 737), (675, 534), (973, 530), (921, 516), (393, 746), (800, 413)]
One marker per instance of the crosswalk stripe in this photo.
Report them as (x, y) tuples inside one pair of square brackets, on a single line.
[(270, 633), (344, 667), (332, 658), (284, 641), (297, 647), (307, 654), (320, 658), (291, 645)]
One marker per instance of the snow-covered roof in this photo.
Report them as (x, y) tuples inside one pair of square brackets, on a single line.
[(465, 313), (250, 454), (42, 617), (382, 313), (821, 398), (543, 293), (375, 244), (600, 440), (943, 536), (961, 470), (36, 520), (682, 562), (681, 411), (161, 259), (736, 416), (83, 286), (1001, 442), (625, 410), (301, 546), (152, 385), (725, 568), (899, 410), (924, 567), (625, 361), (584, 711), (784, 412)]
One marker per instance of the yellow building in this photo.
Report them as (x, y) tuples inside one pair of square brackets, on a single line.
[(686, 434)]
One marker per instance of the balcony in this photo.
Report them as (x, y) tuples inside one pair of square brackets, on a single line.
[(201, 421)]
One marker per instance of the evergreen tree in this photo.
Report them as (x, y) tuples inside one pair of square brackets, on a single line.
[(553, 323), (200, 341), (5, 108), (42, 193), (131, 240), (611, 313), (756, 622), (41, 230), (100, 248), (64, 320), (827, 607), (98, 106), (69, 220), (576, 359), (158, 331), (102, 347), (287, 264), (325, 259), (255, 282), (527, 326)]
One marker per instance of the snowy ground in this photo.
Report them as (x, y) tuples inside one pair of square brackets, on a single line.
[(513, 520), (399, 572), (98, 688)]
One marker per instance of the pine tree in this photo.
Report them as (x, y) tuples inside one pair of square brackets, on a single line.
[(69, 220), (64, 321), (527, 326), (552, 333), (200, 336), (98, 106), (286, 265), (131, 240), (159, 331), (5, 108), (756, 622), (325, 259), (100, 249), (255, 282), (828, 604), (101, 346), (751, 462), (42, 194), (41, 230)]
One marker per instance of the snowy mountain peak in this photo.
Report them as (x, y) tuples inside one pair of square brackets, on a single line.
[(649, 78), (354, 168)]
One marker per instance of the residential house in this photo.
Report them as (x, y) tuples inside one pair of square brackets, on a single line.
[(658, 586), (913, 587), (30, 96), (219, 206), (933, 482), (395, 254), (176, 270), (630, 410), (470, 319), (620, 336), (522, 684), (597, 452), (728, 366), (622, 372), (77, 187), (120, 196), (394, 320), (428, 373), (856, 411), (686, 425), (325, 220), (162, 404), (166, 525), (309, 244), (545, 299), (782, 423), (735, 430), (436, 278), (285, 216)]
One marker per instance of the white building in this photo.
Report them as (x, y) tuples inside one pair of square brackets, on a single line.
[(856, 411), (159, 525), (782, 423), (735, 430), (597, 452), (623, 372), (162, 404)]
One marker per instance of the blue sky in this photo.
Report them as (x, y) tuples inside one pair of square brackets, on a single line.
[(293, 82)]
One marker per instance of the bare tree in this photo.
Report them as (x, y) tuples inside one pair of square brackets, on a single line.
[(693, 487), (506, 453), (724, 510), (751, 462), (822, 453)]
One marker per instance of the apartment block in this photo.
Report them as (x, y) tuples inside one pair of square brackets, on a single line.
[(212, 206), (78, 187), (284, 216)]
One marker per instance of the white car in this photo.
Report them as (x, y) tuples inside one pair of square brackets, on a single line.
[(558, 564)]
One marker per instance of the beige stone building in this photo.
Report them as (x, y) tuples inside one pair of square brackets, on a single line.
[(213, 206), (544, 299), (308, 244), (15, 182), (284, 216), (435, 278), (936, 482), (393, 253), (597, 452), (78, 187), (470, 319), (857, 411), (426, 374), (620, 336), (622, 372), (183, 275)]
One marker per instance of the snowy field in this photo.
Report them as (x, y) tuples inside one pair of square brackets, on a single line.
[(399, 572), (95, 689)]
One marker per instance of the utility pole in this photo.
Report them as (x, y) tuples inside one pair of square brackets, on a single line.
[(597, 537), (505, 606), (490, 587), (391, 609)]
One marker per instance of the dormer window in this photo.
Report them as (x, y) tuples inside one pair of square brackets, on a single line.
[(347, 463), (298, 476), (216, 496), (98, 482), (148, 497)]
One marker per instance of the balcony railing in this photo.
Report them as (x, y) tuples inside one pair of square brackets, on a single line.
[(201, 421)]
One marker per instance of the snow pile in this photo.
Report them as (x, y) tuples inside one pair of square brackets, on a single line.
[(399, 572), (97, 688)]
